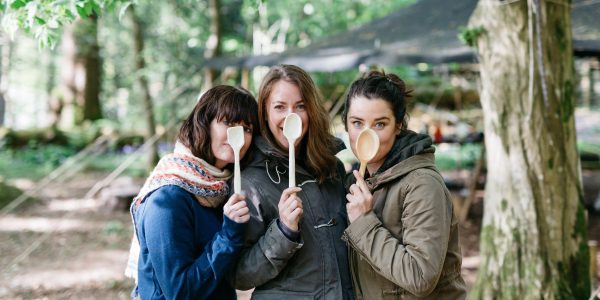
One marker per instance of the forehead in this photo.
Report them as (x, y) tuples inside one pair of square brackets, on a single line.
[(363, 107), (286, 92)]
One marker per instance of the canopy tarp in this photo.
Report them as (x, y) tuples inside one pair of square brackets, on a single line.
[(426, 31)]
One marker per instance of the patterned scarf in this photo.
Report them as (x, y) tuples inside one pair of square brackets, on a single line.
[(181, 168)]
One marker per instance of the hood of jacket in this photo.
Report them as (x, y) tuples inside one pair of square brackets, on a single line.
[(262, 149), (410, 151)]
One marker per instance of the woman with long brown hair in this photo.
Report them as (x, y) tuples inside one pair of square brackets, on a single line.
[(293, 248)]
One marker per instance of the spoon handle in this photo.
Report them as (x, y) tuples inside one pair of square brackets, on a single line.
[(363, 167), (292, 165), (237, 180)]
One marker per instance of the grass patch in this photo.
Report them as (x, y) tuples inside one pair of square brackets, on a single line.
[(35, 162), (8, 193)]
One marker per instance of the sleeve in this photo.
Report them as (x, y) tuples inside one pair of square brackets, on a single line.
[(169, 233), (415, 264), (266, 248)]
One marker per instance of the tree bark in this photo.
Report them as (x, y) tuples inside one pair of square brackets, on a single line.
[(93, 69), (534, 233), (213, 44), (5, 51), (140, 64), (81, 73)]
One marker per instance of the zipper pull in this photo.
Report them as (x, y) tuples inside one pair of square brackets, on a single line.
[(331, 222)]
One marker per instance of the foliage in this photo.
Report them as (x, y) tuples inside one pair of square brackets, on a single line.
[(457, 156), (469, 36), (33, 161), (44, 19)]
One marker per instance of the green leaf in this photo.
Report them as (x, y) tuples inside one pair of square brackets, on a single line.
[(81, 11), (88, 7), (469, 36), (96, 8), (40, 21), (17, 4)]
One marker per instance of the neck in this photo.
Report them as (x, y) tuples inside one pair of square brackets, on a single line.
[(373, 167)]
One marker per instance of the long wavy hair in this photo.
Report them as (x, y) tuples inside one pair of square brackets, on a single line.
[(223, 102), (318, 143)]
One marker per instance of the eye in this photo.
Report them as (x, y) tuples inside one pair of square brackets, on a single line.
[(247, 129), (279, 107), (301, 107), (227, 123), (379, 125), (357, 124)]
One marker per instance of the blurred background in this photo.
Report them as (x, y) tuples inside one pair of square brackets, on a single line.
[(93, 92)]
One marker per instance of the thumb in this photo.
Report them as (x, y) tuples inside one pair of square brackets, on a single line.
[(235, 198)]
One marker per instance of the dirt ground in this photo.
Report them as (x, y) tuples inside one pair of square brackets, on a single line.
[(66, 247)]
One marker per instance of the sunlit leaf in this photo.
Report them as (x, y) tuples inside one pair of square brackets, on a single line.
[(81, 11), (124, 10), (96, 8), (40, 21), (32, 8), (88, 7), (17, 4)]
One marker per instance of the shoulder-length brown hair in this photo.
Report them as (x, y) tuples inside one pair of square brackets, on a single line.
[(318, 142), (223, 102)]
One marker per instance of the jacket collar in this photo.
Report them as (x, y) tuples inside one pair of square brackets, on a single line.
[(410, 151), (264, 151)]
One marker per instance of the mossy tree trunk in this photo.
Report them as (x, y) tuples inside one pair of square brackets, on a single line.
[(534, 236)]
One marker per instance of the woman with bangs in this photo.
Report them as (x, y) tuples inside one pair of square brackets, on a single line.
[(189, 233), (293, 248)]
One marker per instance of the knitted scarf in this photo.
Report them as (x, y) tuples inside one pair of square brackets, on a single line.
[(181, 168)]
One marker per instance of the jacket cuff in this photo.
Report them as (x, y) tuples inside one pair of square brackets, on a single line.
[(361, 225), (292, 235), (233, 231), (279, 244)]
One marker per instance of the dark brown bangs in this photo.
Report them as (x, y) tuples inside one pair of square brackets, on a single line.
[(239, 108)]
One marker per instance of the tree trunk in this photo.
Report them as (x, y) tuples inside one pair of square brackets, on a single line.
[(93, 70), (213, 44), (140, 64), (81, 72), (4, 67), (534, 233)]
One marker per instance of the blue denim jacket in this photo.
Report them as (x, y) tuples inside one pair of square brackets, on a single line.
[(185, 248)]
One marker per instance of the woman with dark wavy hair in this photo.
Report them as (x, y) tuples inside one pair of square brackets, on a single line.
[(293, 248), (188, 234), (403, 235)]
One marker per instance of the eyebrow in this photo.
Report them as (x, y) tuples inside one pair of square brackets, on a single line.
[(284, 102), (378, 119)]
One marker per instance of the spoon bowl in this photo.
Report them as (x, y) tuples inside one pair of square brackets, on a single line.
[(367, 144), (235, 138), (292, 129)]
